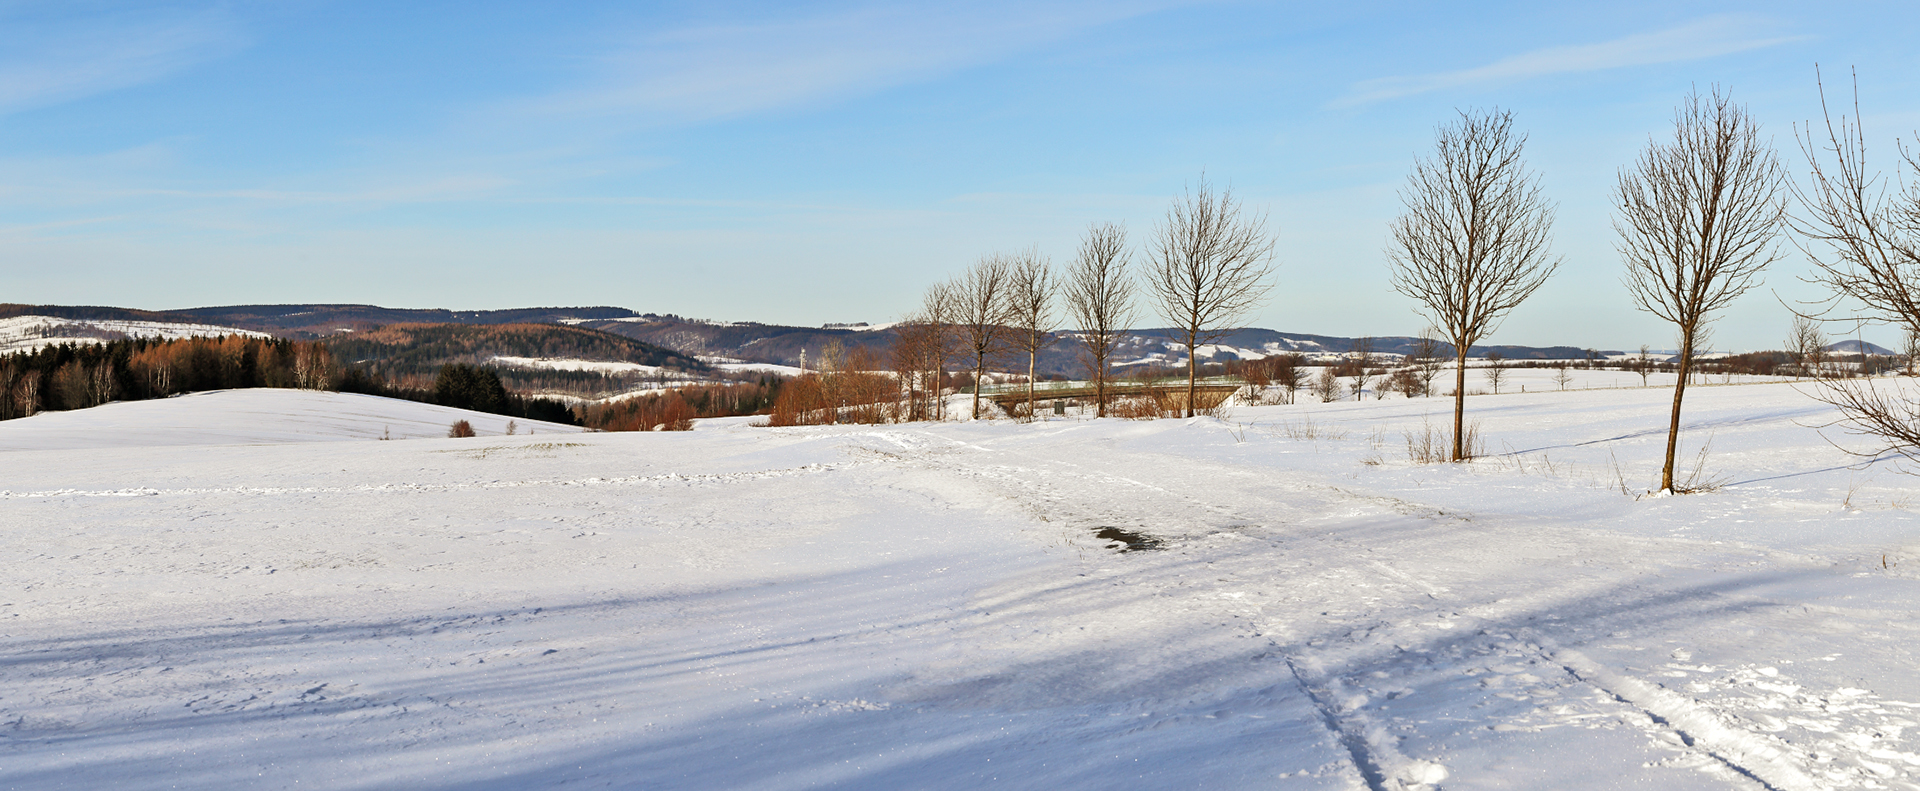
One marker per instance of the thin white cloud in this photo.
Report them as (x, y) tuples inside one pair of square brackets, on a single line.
[(1706, 38), (49, 61), (711, 72)]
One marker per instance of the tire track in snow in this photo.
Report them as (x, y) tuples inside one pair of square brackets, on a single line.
[(1373, 752), (1056, 488), (1749, 754)]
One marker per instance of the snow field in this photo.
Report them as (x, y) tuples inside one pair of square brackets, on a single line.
[(930, 606), (248, 417)]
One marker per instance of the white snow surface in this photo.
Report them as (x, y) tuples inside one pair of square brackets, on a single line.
[(248, 417), (30, 333), (734, 365), (567, 364), (933, 606)]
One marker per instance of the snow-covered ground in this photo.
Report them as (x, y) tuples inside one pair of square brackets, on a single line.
[(30, 333), (248, 417), (732, 365), (946, 606)]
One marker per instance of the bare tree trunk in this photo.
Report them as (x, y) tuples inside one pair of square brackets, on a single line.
[(1193, 371), (1673, 419), (1459, 401)]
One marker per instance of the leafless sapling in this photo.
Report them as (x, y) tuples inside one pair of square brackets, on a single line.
[(1287, 373), (1697, 219), (1473, 241), (980, 311), (1427, 361), (1642, 364), (1360, 367), (1807, 347), (1326, 386), (1207, 270), (1099, 296), (1496, 371), (1030, 299)]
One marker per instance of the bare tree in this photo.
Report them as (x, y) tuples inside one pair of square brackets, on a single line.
[(1207, 270), (981, 314), (1871, 258), (1427, 361), (1642, 364), (1562, 374), (1100, 301), (924, 344), (1030, 305), (1360, 367), (1496, 371), (1697, 220), (1287, 373), (1807, 346), (1326, 386), (1473, 241)]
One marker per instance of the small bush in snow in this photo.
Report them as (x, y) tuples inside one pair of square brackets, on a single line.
[(460, 428)]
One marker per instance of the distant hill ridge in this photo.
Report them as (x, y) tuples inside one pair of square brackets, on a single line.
[(751, 341)]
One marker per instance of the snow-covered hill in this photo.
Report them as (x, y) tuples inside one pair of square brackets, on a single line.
[(249, 417), (948, 606), (29, 333)]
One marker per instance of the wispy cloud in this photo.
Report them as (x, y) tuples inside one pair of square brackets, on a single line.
[(717, 71), (1705, 38), (45, 61)]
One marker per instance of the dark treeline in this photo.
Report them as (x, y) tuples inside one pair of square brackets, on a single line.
[(78, 376), (401, 350)]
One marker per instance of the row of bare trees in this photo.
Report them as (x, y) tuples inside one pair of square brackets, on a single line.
[(1206, 269), (1699, 216)]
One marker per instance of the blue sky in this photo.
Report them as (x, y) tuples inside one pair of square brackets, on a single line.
[(824, 162)]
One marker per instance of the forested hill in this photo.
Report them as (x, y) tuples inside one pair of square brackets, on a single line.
[(315, 321), (407, 349), (310, 321)]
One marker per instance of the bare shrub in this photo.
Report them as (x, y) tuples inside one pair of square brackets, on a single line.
[(1306, 429), (1427, 446), (460, 428)]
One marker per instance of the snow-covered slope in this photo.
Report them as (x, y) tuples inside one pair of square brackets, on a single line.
[(28, 333), (248, 417), (946, 607)]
